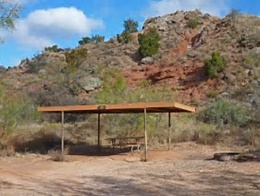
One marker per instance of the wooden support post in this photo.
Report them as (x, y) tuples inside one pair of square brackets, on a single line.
[(145, 136), (62, 132), (169, 131), (99, 144)]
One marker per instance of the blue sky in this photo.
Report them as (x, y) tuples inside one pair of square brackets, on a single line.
[(64, 22)]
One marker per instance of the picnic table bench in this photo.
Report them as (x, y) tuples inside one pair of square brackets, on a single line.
[(127, 142)]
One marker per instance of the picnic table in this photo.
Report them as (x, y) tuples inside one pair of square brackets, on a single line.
[(135, 141)]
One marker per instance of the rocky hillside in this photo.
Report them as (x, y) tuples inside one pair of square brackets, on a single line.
[(187, 39)]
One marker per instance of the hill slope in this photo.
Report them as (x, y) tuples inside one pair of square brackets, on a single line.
[(187, 39)]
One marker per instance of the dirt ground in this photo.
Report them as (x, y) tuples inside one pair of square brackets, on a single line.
[(185, 170)]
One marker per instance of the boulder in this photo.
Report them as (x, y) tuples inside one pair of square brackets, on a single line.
[(90, 83)]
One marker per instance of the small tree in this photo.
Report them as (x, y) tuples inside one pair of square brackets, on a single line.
[(214, 65), (149, 42), (9, 12), (85, 40), (14, 110), (125, 37), (53, 48), (97, 38), (130, 26), (74, 59), (93, 39)]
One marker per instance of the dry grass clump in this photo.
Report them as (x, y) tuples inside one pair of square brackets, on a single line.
[(7, 151), (58, 155)]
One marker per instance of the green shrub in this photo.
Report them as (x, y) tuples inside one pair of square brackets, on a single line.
[(213, 94), (93, 39), (130, 26), (149, 42), (252, 61), (214, 65), (193, 23), (14, 110), (97, 38), (224, 112), (85, 40), (53, 48), (74, 59), (125, 37)]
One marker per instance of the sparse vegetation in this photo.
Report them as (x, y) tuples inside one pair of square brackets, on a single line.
[(215, 65), (58, 155), (116, 91), (125, 37), (53, 48), (55, 79), (130, 27), (74, 59), (93, 39), (14, 110), (149, 42), (193, 23), (224, 112)]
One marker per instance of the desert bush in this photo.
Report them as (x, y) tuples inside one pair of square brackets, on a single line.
[(252, 61), (213, 94), (124, 38), (224, 112), (14, 110), (247, 136), (85, 40), (149, 42), (130, 27), (74, 59), (193, 23), (58, 155), (207, 134), (93, 39), (53, 48), (187, 128), (115, 90), (53, 95), (233, 16), (7, 151), (214, 65), (38, 141)]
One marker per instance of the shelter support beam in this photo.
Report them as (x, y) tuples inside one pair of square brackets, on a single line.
[(145, 136), (169, 131), (62, 132), (99, 143)]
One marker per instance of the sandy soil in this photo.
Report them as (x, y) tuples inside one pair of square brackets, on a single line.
[(185, 170)]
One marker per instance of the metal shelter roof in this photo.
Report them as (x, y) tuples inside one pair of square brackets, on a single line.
[(150, 107)]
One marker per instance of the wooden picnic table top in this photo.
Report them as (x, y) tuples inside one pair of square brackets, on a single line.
[(126, 138)]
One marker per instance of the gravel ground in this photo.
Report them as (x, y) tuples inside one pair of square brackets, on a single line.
[(185, 170)]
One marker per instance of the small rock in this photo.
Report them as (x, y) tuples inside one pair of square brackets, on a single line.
[(147, 60)]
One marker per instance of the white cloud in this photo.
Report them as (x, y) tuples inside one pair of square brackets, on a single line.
[(162, 7), (19, 1), (42, 27)]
